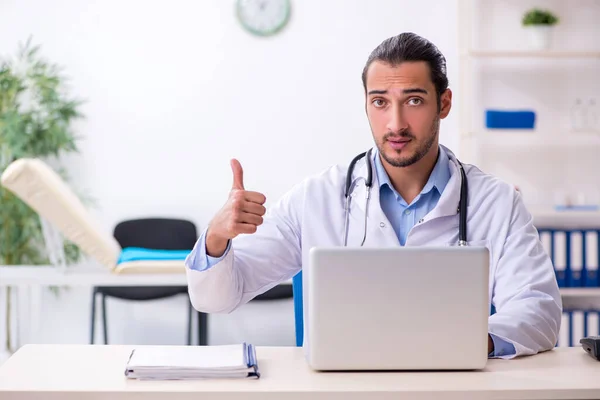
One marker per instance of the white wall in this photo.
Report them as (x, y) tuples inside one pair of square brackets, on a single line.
[(176, 88)]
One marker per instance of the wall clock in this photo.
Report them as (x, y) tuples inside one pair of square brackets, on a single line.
[(263, 17)]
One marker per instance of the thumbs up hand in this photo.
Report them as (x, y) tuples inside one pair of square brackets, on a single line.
[(242, 213)]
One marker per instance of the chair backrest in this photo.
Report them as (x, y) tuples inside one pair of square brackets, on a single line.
[(298, 310), (156, 233)]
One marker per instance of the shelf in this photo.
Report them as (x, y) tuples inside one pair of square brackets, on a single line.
[(533, 54), (548, 217), (587, 292), (531, 138), (580, 298)]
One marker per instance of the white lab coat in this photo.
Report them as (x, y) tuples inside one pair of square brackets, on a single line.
[(522, 283)]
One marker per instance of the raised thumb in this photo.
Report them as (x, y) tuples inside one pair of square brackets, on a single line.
[(238, 175)]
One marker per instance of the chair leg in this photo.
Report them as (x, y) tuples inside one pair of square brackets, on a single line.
[(93, 321), (189, 330), (104, 318), (202, 329)]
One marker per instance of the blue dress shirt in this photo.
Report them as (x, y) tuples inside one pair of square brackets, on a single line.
[(198, 259), (401, 215)]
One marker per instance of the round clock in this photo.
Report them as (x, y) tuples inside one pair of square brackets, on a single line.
[(263, 17)]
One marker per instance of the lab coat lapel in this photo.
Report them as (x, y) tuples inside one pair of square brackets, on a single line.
[(429, 230), (450, 198)]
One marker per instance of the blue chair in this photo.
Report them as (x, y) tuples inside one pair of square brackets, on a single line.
[(298, 316)]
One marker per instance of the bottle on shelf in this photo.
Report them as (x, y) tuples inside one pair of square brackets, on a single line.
[(578, 116)]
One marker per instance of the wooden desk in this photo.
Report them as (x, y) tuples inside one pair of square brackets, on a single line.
[(97, 372)]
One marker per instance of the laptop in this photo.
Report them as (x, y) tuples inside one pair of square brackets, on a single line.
[(404, 308)]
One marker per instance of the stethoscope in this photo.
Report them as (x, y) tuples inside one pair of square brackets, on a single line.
[(350, 183)]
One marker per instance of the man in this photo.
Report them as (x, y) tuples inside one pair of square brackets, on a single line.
[(414, 202)]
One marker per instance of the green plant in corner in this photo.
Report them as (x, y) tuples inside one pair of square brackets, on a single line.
[(36, 116), (538, 16)]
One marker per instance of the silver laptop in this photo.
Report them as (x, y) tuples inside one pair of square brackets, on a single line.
[(405, 308)]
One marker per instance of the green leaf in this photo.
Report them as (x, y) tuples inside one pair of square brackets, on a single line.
[(40, 129), (538, 16)]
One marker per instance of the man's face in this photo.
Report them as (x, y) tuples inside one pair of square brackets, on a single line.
[(402, 109)]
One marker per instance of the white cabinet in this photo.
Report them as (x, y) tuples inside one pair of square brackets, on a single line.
[(553, 163)]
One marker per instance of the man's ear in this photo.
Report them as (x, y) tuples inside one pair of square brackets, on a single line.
[(445, 103)]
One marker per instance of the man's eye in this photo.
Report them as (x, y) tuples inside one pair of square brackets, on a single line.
[(378, 103), (415, 101)]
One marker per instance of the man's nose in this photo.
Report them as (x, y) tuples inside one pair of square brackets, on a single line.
[(397, 122)]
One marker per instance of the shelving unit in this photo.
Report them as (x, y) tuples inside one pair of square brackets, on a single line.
[(497, 71), (492, 46), (580, 298), (581, 292), (547, 216)]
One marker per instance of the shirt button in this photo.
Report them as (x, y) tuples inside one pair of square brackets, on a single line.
[(407, 212), (382, 224)]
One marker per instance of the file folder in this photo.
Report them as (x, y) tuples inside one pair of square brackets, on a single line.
[(192, 362), (591, 258), (560, 256), (575, 256), (576, 251)]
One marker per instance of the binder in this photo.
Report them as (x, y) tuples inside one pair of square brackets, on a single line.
[(570, 328), (593, 323), (575, 256), (560, 256), (193, 362), (586, 328), (546, 239), (577, 326), (591, 258), (575, 246), (563, 334)]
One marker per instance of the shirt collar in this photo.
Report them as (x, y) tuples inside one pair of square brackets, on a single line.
[(438, 179)]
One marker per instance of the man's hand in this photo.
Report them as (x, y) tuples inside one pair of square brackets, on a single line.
[(242, 213), (490, 344)]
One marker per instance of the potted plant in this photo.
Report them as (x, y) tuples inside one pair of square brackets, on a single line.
[(540, 24), (36, 116)]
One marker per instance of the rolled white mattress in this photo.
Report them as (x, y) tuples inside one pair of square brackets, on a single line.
[(40, 187)]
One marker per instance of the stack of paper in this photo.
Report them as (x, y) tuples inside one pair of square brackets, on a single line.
[(193, 362)]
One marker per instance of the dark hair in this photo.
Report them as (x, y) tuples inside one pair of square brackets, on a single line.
[(409, 46)]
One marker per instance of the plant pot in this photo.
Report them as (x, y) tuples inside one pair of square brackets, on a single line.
[(540, 36)]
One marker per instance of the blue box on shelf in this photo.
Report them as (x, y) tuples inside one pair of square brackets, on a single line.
[(498, 119)]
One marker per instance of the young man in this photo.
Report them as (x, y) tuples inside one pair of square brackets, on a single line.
[(415, 194)]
